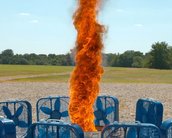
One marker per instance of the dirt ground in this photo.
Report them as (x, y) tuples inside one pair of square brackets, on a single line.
[(127, 94)]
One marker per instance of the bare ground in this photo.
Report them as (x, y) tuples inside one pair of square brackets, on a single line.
[(127, 94)]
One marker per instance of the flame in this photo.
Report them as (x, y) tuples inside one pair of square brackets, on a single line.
[(85, 78)]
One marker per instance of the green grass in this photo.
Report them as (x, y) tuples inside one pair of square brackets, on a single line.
[(14, 70), (137, 75), (62, 74), (49, 78)]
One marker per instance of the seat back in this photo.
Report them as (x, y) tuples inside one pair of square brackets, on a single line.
[(149, 111), (55, 129), (20, 112), (166, 128), (130, 130)]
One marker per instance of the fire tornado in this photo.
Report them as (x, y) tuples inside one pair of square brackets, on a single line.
[(85, 78)]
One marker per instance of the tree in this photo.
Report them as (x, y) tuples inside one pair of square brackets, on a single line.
[(137, 62), (127, 58), (0, 59), (42, 59), (170, 56), (112, 60), (146, 60), (69, 61), (159, 56), (7, 56), (19, 59)]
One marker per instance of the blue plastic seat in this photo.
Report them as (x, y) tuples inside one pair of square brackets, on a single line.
[(130, 130), (20, 112)]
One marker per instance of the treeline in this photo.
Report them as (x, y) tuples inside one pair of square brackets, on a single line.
[(7, 57), (160, 57)]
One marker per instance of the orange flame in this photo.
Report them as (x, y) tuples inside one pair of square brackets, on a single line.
[(84, 82)]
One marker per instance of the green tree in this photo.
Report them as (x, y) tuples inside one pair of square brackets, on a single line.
[(159, 56), (170, 56), (0, 59), (114, 60), (42, 59), (137, 62), (7, 56), (19, 59), (52, 59), (69, 61), (146, 60), (127, 58), (33, 59)]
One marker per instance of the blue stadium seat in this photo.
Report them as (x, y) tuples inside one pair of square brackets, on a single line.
[(130, 130), (149, 111), (20, 112)]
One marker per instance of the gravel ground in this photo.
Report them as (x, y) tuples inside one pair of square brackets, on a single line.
[(127, 94)]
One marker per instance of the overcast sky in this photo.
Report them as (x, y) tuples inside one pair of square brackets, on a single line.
[(46, 26)]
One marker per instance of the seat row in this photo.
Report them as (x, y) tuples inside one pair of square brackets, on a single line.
[(53, 120)]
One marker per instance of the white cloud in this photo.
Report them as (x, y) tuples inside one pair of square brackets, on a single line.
[(34, 21), (24, 14), (138, 25)]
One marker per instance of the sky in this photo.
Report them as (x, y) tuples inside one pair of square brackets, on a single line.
[(46, 26)]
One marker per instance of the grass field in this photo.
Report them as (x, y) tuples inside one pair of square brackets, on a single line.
[(13, 70), (62, 74)]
